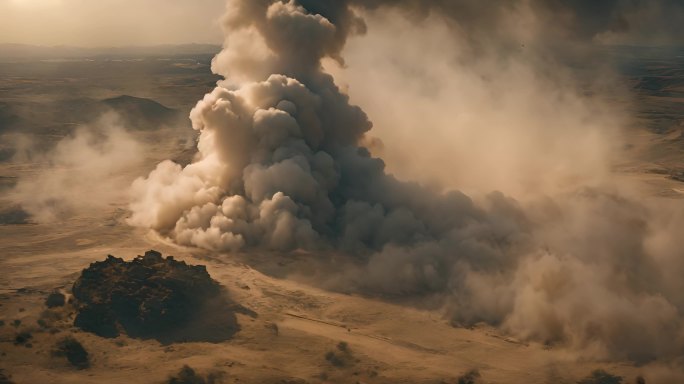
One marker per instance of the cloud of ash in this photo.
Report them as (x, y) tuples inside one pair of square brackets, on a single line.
[(89, 169), (575, 259), (500, 121)]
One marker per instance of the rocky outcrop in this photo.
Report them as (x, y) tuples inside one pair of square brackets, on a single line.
[(152, 297)]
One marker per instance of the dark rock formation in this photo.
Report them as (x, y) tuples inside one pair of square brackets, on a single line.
[(152, 297)]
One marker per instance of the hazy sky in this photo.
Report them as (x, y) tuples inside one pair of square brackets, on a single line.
[(110, 22), (147, 22)]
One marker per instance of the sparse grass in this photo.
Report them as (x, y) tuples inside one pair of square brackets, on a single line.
[(342, 357), (48, 318)]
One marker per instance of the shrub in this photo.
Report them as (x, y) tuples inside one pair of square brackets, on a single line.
[(342, 357), (188, 375), (22, 338), (5, 378), (55, 299), (73, 350), (470, 377), (600, 376), (334, 359)]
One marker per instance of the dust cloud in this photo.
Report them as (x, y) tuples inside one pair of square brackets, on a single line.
[(514, 217), (85, 171)]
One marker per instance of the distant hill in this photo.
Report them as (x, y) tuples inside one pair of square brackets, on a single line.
[(60, 116), (7, 116), (142, 113), (46, 122), (19, 52)]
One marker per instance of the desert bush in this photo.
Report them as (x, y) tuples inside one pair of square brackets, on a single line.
[(600, 376), (74, 352), (55, 299), (5, 378), (188, 375), (470, 377), (22, 338), (341, 357), (334, 359)]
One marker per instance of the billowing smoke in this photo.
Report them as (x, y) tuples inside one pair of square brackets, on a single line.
[(283, 165)]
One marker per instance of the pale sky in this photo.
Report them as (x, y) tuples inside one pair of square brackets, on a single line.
[(110, 22), (148, 22)]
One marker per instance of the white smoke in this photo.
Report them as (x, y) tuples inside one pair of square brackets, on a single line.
[(281, 167)]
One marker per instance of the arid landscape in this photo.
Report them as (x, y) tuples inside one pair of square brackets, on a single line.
[(523, 226)]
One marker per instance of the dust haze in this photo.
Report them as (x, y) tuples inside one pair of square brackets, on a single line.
[(109, 23), (83, 172), (552, 247)]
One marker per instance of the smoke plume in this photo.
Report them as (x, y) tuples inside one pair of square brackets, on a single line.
[(285, 163)]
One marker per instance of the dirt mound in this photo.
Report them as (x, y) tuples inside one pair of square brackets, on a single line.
[(152, 297)]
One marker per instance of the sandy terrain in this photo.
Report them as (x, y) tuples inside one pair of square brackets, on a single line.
[(388, 343)]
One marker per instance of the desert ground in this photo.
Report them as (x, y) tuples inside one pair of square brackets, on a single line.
[(292, 321)]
